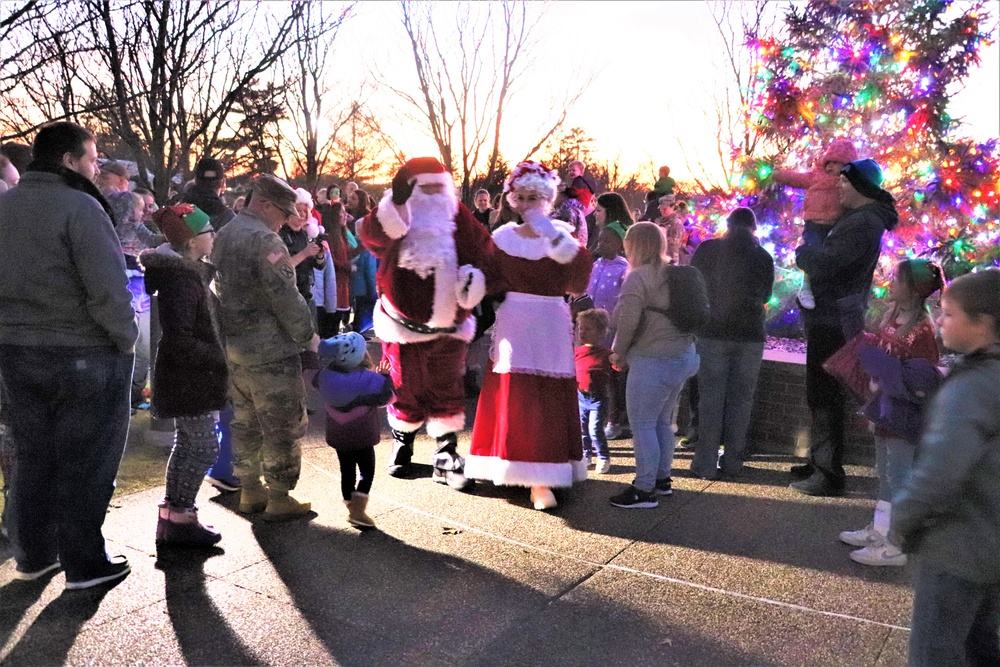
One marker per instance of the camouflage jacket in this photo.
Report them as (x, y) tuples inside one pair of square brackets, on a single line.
[(263, 318)]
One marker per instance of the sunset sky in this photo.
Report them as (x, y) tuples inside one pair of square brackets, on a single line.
[(656, 67)]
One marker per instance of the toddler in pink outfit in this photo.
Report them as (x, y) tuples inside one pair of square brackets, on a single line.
[(821, 206)]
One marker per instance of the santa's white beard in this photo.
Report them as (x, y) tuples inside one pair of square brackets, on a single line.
[(430, 242)]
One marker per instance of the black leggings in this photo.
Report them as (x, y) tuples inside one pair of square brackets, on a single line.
[(364, 460)]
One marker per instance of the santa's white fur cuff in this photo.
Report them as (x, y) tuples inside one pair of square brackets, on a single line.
[(469, 298), (391, 219)]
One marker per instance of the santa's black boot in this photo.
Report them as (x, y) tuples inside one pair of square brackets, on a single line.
[(449, 467), (402, 452)]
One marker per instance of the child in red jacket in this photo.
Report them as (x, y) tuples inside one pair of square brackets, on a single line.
[(593, 375)]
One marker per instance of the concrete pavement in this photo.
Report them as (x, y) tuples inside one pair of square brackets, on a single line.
[(719, 574)]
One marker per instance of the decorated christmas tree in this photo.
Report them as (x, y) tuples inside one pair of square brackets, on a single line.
[(878, 73)]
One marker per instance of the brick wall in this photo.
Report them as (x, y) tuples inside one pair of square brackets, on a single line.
[(780, 422)]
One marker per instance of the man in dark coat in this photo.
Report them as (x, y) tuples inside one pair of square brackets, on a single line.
[(67, 333), (840, 272), (206, 192)]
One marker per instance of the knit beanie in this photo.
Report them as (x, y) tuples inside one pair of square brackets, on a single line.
[(926, 275), (840, 150), (181, 223), (617, 228), (742, 217), (866, 177)]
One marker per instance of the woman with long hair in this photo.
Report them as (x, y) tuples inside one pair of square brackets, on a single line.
[(739, 275), (611, 207), (342, 251), (659, 357), (359, 204)]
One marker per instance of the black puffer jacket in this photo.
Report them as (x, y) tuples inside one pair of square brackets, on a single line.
[(190, 376), (844, 265)]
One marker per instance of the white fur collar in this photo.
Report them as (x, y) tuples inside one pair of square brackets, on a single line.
[(511, 242)]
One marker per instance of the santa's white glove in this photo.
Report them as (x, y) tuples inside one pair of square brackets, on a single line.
[(540, 223), (471, 286)]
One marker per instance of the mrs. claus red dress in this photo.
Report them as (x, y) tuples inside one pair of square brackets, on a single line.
[(527, 428)]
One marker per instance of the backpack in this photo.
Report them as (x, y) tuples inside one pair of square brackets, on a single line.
[(689, 307)]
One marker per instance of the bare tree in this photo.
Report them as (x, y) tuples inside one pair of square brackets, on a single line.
[(358, 154), (574, 144), (307, 67), (164, 76), (738, 139), (466, 77), (39, 65)]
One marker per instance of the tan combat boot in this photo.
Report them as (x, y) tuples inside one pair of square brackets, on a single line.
[(282, 507), (253, 496)]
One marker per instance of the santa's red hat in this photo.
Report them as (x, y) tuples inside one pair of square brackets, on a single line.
[(423, 170)]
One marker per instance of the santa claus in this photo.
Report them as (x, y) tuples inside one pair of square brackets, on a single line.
[(428, 246)]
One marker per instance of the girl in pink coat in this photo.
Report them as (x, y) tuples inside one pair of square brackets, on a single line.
[(821, 206)]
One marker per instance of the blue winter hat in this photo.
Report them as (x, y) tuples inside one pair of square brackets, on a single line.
[(346, 350), (866, 177)]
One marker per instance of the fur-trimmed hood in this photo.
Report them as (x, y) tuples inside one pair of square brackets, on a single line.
[(164, 266)]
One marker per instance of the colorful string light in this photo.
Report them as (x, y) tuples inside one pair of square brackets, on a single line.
[(877, 73)]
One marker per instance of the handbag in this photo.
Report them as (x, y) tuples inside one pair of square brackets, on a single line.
[(845, 365)]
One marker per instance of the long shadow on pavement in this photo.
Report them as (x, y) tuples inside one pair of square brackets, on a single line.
[(776, 530), (56, 628), (372, 599), (204, 635)]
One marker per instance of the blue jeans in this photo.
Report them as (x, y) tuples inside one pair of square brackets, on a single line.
[(727, 381), (68, 419), (893, 463), (593, 419), (654, 385), (955, 621)]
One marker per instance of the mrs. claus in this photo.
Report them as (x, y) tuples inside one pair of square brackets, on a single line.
[(527, 428)]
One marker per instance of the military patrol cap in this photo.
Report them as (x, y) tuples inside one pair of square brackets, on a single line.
[(276, 191)]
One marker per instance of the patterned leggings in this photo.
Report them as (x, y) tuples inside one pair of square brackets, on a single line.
[(193, 454)]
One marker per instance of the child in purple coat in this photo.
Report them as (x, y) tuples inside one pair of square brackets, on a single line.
[(352, 394)]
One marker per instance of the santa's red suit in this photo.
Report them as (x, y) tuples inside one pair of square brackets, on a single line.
[(428, 247)]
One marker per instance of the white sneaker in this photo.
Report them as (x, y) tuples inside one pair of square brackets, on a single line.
[(542, 498), (879, 555), (806, 300), (612, 431), (865, 537), (603, 466)]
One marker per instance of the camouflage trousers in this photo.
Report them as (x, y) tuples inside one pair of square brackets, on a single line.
[(270, 417)]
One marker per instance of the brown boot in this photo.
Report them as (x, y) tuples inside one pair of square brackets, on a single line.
[(282, 507), (356, 507), (253, 496)]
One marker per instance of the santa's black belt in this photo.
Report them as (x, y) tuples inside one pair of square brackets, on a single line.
[(417, 327)]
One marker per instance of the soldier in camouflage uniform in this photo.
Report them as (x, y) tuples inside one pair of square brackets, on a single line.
[(266, 324)]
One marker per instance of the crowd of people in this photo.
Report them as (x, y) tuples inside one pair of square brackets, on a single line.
[(594, 323)]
